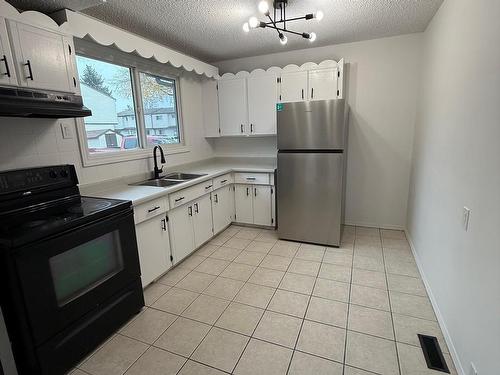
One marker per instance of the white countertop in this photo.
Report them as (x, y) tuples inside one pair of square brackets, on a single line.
[(211, 168)]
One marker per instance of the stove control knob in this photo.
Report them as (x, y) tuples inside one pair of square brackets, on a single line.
[(53, 174), (64, 173)]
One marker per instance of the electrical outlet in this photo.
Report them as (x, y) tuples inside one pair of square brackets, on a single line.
[(66, 131), (473, 370), (465, 218)]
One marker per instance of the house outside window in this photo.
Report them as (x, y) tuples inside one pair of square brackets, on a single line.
[(113, 93)]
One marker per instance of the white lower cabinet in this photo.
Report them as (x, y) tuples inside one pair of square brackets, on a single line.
[(180, 222), (202, 220), (222, 207), (190, 226), (262, 205), (154, 248), (253, 204), (243, 204)]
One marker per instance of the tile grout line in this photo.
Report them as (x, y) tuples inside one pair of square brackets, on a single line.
[(231, 301), (348, 305), (260, 319), (212, 326), (305, 313), (390, 304)]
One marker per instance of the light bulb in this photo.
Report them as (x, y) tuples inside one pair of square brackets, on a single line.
[(319, 15), (253, 22), (246, 28), (312, 37), (283, 39), (263, 7)]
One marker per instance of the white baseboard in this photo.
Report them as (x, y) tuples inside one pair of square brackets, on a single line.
[(374, 225), (439, 316)]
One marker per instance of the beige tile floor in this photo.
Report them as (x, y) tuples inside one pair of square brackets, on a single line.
[(248, 303)]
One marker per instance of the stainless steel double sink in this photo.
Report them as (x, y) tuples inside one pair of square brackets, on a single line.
[(171, 179)]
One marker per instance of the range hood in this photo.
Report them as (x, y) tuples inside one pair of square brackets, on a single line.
[(20, 102)]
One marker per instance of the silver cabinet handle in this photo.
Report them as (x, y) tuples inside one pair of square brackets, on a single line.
[(154, 209), (208, 187), (164, 224), (7, 70), (312, 92), (196, 210), (179, 199), (216, 198), (190, 211), (251, 128), (248, 192), (223, 181), (255, 191), (250, 178), (241, 127), (302, 93)]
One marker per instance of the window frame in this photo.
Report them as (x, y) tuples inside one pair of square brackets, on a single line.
[(136, 65)]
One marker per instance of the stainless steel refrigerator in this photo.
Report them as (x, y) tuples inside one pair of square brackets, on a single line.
[(312, 140)]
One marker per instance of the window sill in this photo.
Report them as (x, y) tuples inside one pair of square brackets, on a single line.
[(90, 160)]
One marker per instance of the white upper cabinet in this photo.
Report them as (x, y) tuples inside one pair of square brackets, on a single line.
[(7, 69), (262, 92), (233, 106), (42, 58), (323, 84), (293, 87), (210, 108)]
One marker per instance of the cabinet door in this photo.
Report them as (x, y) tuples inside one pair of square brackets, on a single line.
[(210, 104), (293, 87), (323, 84), (7, 67), (42, 58), (243, 204), (262, 91), (154, 248), (262, 205), (202, 220), (222, 208), (233, 106), (180, 225)]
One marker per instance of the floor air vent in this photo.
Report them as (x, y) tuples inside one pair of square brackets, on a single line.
[(433, 354)]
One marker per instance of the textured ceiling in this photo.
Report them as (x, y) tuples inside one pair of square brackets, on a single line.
[(211, 29)]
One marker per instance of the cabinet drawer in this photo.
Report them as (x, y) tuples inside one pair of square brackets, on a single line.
[(185, 195), (150, 209), (251, 178), (223, 180)]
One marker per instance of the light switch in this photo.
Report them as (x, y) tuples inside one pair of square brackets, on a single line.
[(67, 133)]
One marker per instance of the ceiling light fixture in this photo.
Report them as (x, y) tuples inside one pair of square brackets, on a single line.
[(278, 20)]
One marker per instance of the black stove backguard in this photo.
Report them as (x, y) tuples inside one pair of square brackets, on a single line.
[(66, 290)]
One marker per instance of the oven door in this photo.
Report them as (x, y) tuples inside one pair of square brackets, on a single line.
[(65, 277)]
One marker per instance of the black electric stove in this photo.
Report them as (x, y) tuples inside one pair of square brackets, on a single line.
[(69, 268)]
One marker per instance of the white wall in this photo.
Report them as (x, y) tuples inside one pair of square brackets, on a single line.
[(457, 163), (37, 142), (382, 78)]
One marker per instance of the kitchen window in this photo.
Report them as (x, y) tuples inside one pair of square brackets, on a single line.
[(134, 104)]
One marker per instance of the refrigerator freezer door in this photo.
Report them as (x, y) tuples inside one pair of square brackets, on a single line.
[(309, 190), (312, 125)]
